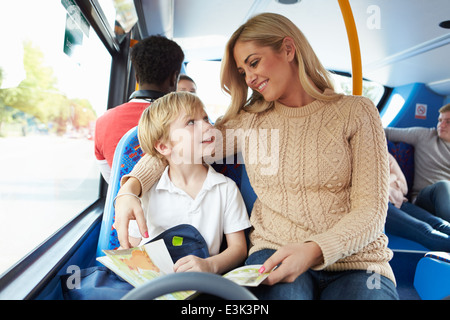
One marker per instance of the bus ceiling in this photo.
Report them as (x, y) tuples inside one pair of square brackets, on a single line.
[(400, 42)]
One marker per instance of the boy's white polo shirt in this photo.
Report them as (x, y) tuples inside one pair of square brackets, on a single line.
[(216, 210)]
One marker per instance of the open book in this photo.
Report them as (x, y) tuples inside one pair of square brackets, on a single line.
[(142, 264)]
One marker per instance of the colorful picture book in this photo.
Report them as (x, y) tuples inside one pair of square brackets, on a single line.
[(142, 264)]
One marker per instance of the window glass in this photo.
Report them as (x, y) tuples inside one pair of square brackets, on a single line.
[(121, 15), (206, 75), (392, 109), (372, 90), (109, 11), (54, 78)]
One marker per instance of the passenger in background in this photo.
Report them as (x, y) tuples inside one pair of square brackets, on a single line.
[(186, 83), (409, 221), (157, 63), (431, 188)]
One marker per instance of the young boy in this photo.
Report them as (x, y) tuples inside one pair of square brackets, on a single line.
[(176, 128)]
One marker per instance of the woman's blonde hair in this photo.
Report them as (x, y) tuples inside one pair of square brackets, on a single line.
[(269, 30), (154, 124)]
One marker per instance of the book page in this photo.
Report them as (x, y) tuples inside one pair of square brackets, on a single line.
[(248, 276), (133, 265), (142, 264), (158, 253)]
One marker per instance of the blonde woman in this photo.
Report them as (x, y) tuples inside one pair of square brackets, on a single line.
[(322, 201)]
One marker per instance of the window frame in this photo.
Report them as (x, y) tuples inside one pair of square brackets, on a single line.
[(26, 279), (386, 93)]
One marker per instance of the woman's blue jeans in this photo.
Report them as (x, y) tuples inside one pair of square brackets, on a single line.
[(436, 199), (325, 285), (416, 224)]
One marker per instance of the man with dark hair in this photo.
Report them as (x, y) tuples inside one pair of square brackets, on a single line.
[(157, 63)]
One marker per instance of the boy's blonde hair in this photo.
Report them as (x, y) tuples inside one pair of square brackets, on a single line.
[(155, 121)]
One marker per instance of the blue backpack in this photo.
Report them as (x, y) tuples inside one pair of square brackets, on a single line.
[(100, 283), (183, 240)]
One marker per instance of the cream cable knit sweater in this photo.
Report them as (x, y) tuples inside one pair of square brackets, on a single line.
[(328, 182)]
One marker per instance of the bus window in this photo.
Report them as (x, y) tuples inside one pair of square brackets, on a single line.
[(372, 90), (391, 111), (206, 75), (54, 77)]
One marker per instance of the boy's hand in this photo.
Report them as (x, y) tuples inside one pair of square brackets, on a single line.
[(193, 264)]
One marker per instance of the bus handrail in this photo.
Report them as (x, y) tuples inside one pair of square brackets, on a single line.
[(353, 41)]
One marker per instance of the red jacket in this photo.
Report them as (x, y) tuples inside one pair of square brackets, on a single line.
[(112, 125)]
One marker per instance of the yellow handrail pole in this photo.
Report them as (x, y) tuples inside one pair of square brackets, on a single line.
[(132, 43), (353, 41)]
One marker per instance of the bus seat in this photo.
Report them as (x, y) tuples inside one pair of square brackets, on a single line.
[(432, 276), (127, 154), (404, 154), (402, 244), (236, 171)]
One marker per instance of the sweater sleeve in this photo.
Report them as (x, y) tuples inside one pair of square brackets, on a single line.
[(364, 222), (230, 135), (409, 135), (148, 170)]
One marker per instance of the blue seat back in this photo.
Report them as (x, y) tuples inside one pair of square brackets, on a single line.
[(404, 154), (235, 170), (128, 153), (432, 277)]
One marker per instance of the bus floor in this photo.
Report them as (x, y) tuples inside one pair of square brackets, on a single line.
[(404, 266)]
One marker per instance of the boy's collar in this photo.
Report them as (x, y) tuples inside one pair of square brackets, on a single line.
[(212, 178)]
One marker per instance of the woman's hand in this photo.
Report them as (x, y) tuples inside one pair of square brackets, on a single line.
[(295, 259), (128, 208)]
